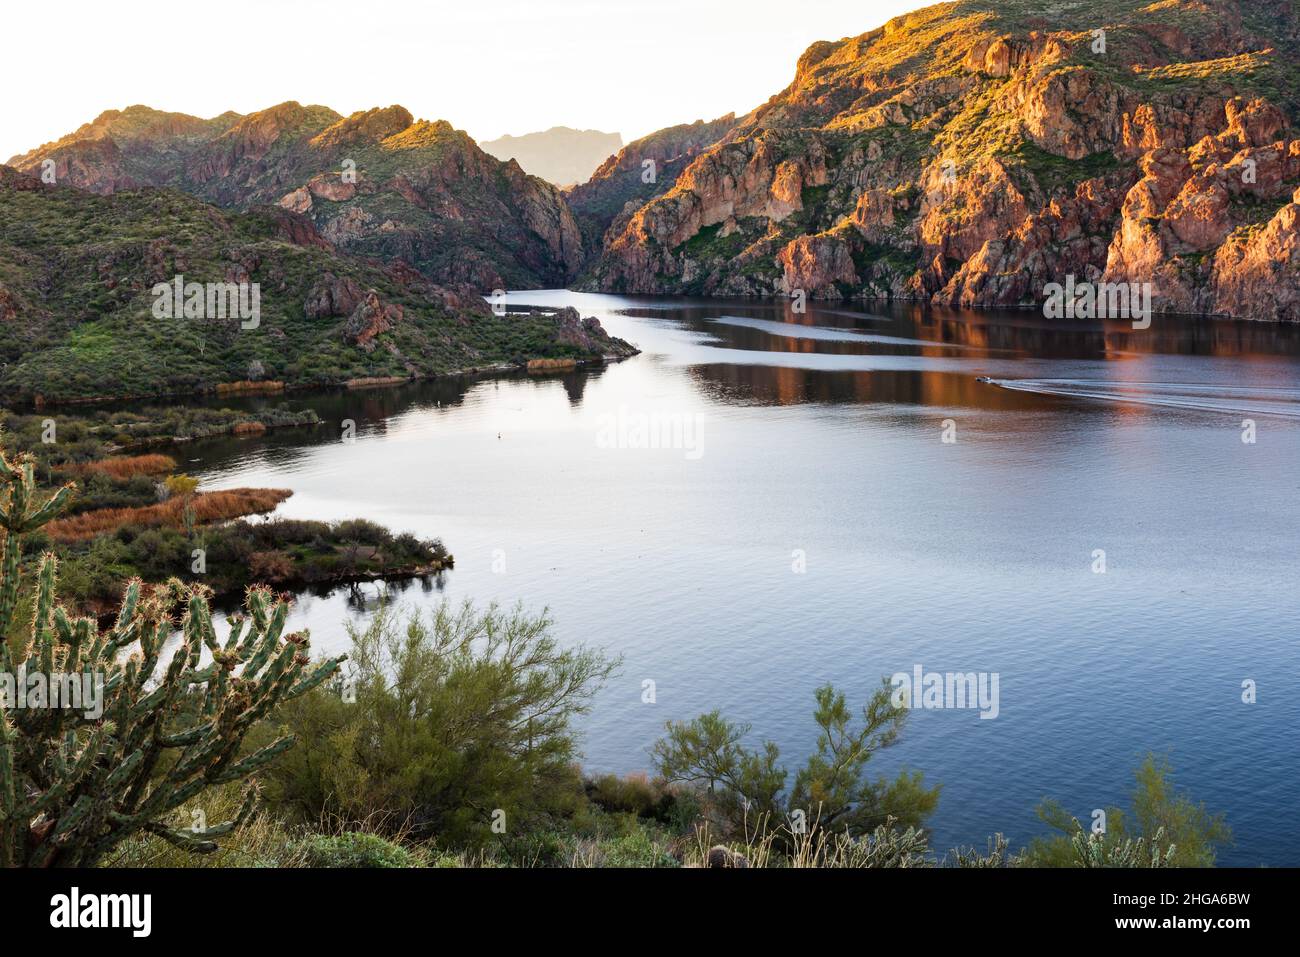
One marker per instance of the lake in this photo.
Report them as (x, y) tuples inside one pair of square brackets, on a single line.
[(835, 497)]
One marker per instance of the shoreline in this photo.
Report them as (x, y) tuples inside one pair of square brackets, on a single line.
[(231, 599), (386, 382), (916, 301)]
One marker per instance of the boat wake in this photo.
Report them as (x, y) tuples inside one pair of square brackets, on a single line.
[(1229, 400), (792, 330)]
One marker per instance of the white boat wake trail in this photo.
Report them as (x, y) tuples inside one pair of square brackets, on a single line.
[(1230, 400)]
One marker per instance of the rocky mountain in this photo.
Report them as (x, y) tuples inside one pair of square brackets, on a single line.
[(378, 183), (87, 311), (974, 152), (559, 155), (639, 172)]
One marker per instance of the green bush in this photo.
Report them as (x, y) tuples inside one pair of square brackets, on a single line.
[(1163, 827), (355, 849), (636, 849), (444, 727), (746, 790), (632, 794)]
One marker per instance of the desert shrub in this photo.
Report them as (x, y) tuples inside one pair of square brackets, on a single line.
[(633, 794), (355, 849), (1162, 825), (745, 789), (283, 532), (363, 531), (444, 725), (98, 490), (180, 485), (424, 550), (270, 567)]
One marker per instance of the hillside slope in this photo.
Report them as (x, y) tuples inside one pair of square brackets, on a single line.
[(77, 317), (973, 152), (422, 192)]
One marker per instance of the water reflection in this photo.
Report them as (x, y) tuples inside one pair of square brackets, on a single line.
[(747, 351), (824, 434)]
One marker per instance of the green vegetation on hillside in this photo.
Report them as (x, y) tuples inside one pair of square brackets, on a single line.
[(81, 269)]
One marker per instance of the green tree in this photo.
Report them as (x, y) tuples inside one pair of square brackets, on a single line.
[(1163, 827), (748, 787), (441, 722)]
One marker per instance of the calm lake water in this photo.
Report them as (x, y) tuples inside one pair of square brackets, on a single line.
[(816, 441)]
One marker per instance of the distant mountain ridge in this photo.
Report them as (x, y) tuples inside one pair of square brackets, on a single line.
[(560, 155), (421, 191)]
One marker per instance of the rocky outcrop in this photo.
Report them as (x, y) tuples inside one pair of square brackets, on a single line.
[(1201, 222), (371, 317), (819, 264), (1255, 272), (365, 128), (585, 334), (971, 154), (331, 296), (293, 227)]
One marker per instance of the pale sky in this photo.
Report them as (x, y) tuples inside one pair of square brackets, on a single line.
[(488, 66)]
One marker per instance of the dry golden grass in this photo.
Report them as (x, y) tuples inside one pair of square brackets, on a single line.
[(812, 847), (126, 466), (246, 386), (551, 365), (208, 507)]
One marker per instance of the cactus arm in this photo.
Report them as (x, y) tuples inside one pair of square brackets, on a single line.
[(73, 787)]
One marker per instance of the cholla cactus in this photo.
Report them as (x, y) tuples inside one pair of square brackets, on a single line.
[(886, 846), (995, 856), (74, 783), (1093, 850)]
